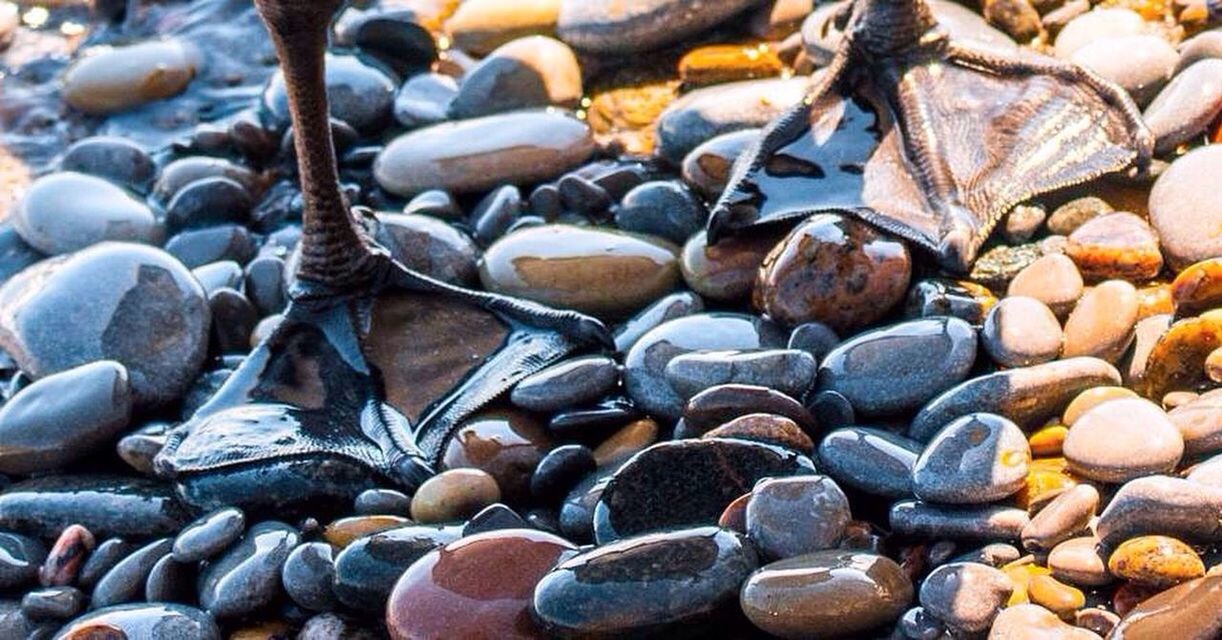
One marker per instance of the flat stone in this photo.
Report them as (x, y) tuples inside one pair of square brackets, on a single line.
[(247, 577), (1121, 440), (121, 78), (965, 595), (117, 159), (1182, 211), (1096, 25), (1021, 331), (641, 26), (767, 428), (686, 483), (718, 405), (669, 307), (1184, 109), (871, 460), (789, 371), (106, 505), (705, 113), (789, 517), (915, 518), (479, 26), (209, 534), (975, 459), (653, 583), (67, 211), (535, 71), (1026, 395), (899, 368), (1115, 245), (826, 594), (1183, 509), (1200, 424), (1101, 324)]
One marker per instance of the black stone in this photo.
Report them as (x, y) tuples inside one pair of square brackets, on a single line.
[(125, 581), (209, 201), (106, 505), (308, 574), (367, 569), (560, 470)]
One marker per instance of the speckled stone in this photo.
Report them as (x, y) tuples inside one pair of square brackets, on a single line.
[(727, 270), (977, 458), (1156, 561), (788, 517), (965, 595), (1115, 245)]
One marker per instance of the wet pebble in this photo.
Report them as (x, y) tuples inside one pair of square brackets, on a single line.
[(1186, 611), (1021, 331), (479, 26), (1078, 561), (567, 384), (1185, 108), (726, 271), (307, 575), (66, 211), (1162, 505), (965, 595), (247, 577), (560, 470), (664, 208), (666, 308), (766, 428), (117, 159), (975, 459), (1115, 245), (1101, 324), (367, 569), (209, 535), (1183, 213), (424, 100), (707, 167), (453, 495), (1097, 25), (125, 582), (648, 24), (535, 71), (67, 556), (209, 201), (1140, 64), (922, 519), (53, 603), (718, 405), (1030, 621), (789, 371), (705, 113), (1052, 279), (106, 505), (360, 95), (871, 460), (143, 620), (653, 583), (506, 444), (1121, 440), (119, 78), (1156, 561), (430, 246), (789, 517), (1065, 516), (101, 560), (198, 247)]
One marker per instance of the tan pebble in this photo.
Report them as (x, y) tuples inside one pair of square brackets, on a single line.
[(1101, 324), (1153, 300), (1020, 572), (1199, 420), (1066, 515), (1198, 288), (1213, 365), (124, 77), (1092, 398), (342, 532), (1033, 622), (1115, 245), (1047, 440), (479, 26), (1077, 561), (1156, 561), (1123, 439), (1177, 360), (1177, 399), (717, 63), (1052, 279), (626, 442), (1146, 334), (454, 495), (275, 630)]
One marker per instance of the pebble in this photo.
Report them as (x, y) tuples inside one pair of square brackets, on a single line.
[(626, 442), (663, 208), (655, 583), (480, 153), (143, 620), (1065, 516), (641, 26), (120, 78), (686, 483), (707, 167), (106, 505), (960, 299), (975, 459), (506, 444), (645, 363), (367, 569), (705, 113), (826, 594), (1055, 596), (170, 581), (767, 428), (567, 384), (184, 171), (67, 211), (101, 560), (480, 26), (1176, 362), (119, 160), (921, 519), (1115, 245), (1121, 440), (899, 368), (1026, 395), (1200, 423), (209, 534), (560, 470), (454, 495), (307, 575), (605, 273), (496, 214), (20, 559), (789, 517), (726, 271), (424, 100), (1101, 324), (1186, 611), (1162, 505), (1097, 25), (208, 201), (198, 247), (1184, 109), (1100, 621), (1020, 331), (473, 586), (789, 371), (1053, 279), (535, 71), (834, 270), (1184, 214), (718, 405), (669, 307), (1032, 622), (1198, 288), (1156, 561), (54, 603), (965, 595), (1139, 64), (63, 564), (430, 246), (1092, 398), (1066, 218), (358, 94), (1078, 561), (871, 460), (125, 581), (247, 577)]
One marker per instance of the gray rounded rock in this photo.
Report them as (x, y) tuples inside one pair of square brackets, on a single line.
[(209, 535), (125, 581), (64, 212), (1140, 64), (308, 574), (712, 111), (1185, 108), (1121, 440), (789, 371), (975, 459), (535, 71), (788, 517), (871, 460), (966, 595), (983, 522), (567, 384), (247, 577), (619, 28)]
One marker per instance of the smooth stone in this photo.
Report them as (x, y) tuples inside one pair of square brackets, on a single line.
[(1100, 621), (594, 271), (1184, 509), (66, 211), (669, 307), (577, 509), (1123, 439), (645, 362), (1198, 288), (705, 113), (975, 459), (507, 444), (218, 275), (686, 483), (1176, 362), (480, 26), (198, 247), (1026, 395), (120, 78), (1200, 424), (53, 603), (871, 460), (1066, 218), (1139, 64), (359, 94), (561, 470), (835, 270), (496, 214), (101, 560), (307, 575), (1065, 516), (430, 246), (535, 71), (424, 100), (826, 594), (1078, 561), (726, 271), (454, 494), (209, 535), (789, 371), (899, 368), (1208, 472), (125, 581), (106, 505), (718, 405), (983, 522), (1021, 331), (1097, 25), (1186, 611), (1023, 222), (1184, 109), (64, 561), (143, 621), (965, 595), (184, 171), (626, 442), (170, 581), (67, 311), (789, 517), (435, 203), (767, 428), (116, 159), (367, 569), (1033, 622), (265, 285), (477, 585), (651, 584), (1101, 324), (344, 531), (209, 201), (567, 384), (247, 577), (1156, 561), (707, 167), (961, 299), (664, 208), (641, 25), (20, 558), (1183, 212), (1052, 279), (1115, 245), (480, 153), (63, 417)]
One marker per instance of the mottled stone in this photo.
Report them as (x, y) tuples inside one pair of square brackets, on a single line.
[(1187, 611), (789, 517), (871, 460), (767, 428), (1176, 362), (119, 78), (67, 211), (1115, 245), (506, 444), (977, 458), (1066, 218), (1021, 331), (1156, 561), (430, 246), (1121, 440), (965, 595), (1184, 213)]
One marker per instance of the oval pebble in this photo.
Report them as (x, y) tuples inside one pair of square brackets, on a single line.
[(789, 517), (67, 211), (977, 458), (1121, 440), (209, 535), (247, 577)]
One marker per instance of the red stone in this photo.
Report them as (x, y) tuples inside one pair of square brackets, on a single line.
[(66, 557)]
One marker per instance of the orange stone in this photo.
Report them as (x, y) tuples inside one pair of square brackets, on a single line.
[(1198, 288), (717, 63)]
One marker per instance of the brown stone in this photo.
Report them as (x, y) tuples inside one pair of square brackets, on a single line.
[(1055, 596), (343, 531), (454, 495), (1052, 279), (726, 271), (67, 555), (506, 443), (767, 428), (1123, 439), (1153, 300), (1047, 441), (1033, 622), (1198, 288), (1156, 561), (1177, 360), (734, 517), (1115, 245), (1066, 515), (717, 63), (718, 405), (1189, 611), (1101, 324), (622, 444), (1078, 561)]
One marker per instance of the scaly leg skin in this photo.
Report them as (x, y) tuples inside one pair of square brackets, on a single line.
[(946, 138), (374, 364)]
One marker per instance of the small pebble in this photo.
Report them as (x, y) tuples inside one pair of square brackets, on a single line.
[(788, 517)]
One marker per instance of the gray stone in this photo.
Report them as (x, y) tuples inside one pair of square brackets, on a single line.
[(64, 212), (871, 460), (977, 458), (642, 25), (789, 517), (247, 577), (711, 111), (1191, 511), (789, 371), (209, 535), (921, 519), (125, 581), (966, 595), (567, 384), (1140, 64), (1184, 212)]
